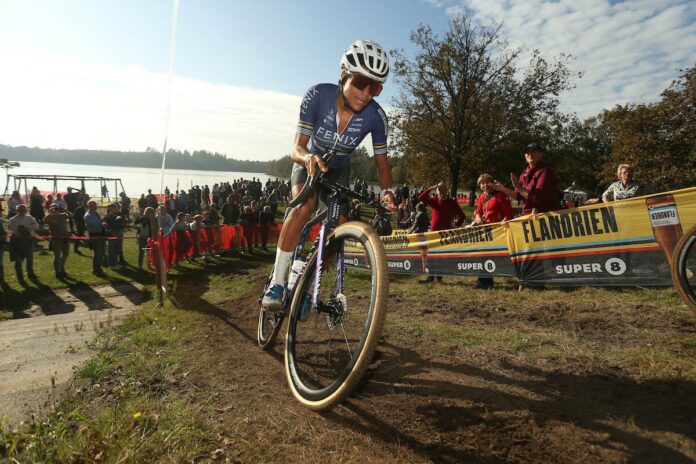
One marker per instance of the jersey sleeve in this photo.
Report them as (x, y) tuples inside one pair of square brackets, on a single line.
[(308, 112), (607, 192), (425, 197), (379, 134)]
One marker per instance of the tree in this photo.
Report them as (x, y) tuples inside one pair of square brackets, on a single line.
[(658, 139), (578, 149), (281, 167), (463, 98)]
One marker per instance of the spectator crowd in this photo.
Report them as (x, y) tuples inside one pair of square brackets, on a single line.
[(74, 220)]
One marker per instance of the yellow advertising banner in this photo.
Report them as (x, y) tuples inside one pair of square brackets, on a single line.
[(627, 242), (480, 250)]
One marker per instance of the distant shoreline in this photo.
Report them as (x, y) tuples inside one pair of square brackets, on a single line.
[(197, 161), (102, 165)]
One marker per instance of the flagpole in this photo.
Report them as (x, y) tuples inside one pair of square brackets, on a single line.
[(172, 54)]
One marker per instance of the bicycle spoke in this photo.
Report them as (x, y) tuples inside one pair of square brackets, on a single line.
[(346, 339)]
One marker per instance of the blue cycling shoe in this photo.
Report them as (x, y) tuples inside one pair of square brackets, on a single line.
[(273, 299)]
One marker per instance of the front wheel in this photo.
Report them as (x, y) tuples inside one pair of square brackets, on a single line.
[(329, 346)]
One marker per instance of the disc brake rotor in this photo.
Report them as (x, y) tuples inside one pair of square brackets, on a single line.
[(339, 311)]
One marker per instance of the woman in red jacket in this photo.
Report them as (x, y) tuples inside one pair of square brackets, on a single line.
[(491, 206)]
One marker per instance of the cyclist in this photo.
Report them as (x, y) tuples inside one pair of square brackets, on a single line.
[(335, 119)]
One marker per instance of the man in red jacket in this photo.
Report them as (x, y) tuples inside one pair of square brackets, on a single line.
[(446, 213)]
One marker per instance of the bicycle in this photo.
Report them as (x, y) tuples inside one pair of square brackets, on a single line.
[(684, 267), (335, 312)]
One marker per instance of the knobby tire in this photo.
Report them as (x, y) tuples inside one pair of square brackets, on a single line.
[(303, 357)]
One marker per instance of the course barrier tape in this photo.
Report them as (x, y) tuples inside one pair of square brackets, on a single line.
[(81, 237), (183, 244)]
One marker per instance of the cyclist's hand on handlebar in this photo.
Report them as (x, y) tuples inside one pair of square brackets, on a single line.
[(311, 162)]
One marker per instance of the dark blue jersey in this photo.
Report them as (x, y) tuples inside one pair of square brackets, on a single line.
[(319, 121)]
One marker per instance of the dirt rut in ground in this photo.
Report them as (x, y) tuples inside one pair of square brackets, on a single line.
[(417, 404)]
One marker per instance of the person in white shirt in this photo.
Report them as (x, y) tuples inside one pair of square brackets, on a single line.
[(60, 202), (625, 187), (23, 227)]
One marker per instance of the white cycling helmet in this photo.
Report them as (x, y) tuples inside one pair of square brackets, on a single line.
[(367, 58)]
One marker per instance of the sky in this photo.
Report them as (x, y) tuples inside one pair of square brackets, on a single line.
[(94, 74)]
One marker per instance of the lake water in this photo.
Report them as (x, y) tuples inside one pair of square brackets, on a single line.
[(135, 180)]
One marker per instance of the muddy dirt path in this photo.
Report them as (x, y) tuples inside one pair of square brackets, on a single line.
[(418, 404), (38, 353)]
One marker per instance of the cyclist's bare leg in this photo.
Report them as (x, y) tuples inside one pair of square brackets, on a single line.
[(295, 221), (289, 237)]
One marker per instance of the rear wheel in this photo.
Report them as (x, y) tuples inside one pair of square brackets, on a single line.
[(684, 267), (269, 323), (329, 347)]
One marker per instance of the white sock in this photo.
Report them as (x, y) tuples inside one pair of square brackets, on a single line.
[(282, 263)]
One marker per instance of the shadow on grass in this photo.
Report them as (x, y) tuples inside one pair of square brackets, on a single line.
[(49, 302), (16, 302), (36, 293), (130, 291), (33, 293), (592, 402)]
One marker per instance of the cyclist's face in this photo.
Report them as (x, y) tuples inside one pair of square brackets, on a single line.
[(357, 99), (360, 81)]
